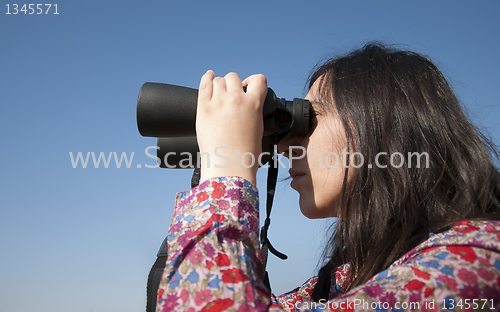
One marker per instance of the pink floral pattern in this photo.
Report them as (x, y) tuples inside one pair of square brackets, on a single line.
[(215, 264)]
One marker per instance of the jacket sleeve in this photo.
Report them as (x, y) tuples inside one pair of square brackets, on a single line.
[(214, 260)]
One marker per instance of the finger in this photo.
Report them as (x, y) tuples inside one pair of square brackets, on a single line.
[(256, 85), (233, 82), (219, 86), (206, 87), (245, 82)]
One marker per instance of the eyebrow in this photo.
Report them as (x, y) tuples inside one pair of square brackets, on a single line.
[(317, 106)]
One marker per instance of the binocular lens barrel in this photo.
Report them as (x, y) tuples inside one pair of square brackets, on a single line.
[(165, 110)]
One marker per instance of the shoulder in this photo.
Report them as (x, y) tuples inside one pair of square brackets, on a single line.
[(463, 262), (479, 234)]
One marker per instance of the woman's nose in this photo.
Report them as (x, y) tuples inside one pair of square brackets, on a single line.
[(289, 141)]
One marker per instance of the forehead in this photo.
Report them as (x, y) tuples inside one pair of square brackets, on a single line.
[(320, 96), (313, 94)]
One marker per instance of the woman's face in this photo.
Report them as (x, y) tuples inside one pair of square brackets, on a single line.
[(319, 175)]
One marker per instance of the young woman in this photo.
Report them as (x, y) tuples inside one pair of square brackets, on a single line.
[(413, 186)]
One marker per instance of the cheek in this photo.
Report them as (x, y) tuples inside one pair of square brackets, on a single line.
[(328, 191), (325, 152), (334, 160), (320, 191)]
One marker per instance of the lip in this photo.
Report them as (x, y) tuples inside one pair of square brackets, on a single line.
[(295, 175)]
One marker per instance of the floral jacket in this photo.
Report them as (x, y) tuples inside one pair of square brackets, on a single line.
[(215, 264)]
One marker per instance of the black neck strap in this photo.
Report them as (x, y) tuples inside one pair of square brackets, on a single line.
[(272, 177)]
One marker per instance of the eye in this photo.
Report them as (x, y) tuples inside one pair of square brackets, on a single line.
[(313, 120)]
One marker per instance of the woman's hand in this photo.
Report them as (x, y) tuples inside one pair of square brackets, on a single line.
[(229, 125)]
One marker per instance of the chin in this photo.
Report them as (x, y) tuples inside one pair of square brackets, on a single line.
[(311, 211)]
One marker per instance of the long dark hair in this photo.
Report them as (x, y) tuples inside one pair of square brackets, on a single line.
[(398, 102)]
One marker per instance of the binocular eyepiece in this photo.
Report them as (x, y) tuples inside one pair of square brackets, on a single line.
[(169, 113)]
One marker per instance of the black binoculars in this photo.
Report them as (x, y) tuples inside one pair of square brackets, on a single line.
[(169, 113)]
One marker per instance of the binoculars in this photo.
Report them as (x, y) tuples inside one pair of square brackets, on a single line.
[(169, 113)]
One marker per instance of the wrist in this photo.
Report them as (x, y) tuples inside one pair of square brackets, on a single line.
[(223, 162), (248, 174)]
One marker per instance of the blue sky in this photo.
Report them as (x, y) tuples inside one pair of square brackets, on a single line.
[(75, 239)]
